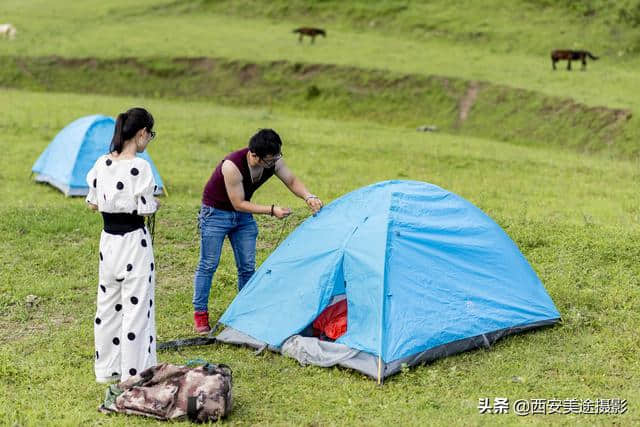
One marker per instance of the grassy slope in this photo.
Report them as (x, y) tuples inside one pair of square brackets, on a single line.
[(498, 112), (432, 39), (519, 57), (573, 220)]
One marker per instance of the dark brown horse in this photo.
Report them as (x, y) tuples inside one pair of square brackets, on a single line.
[(569, 55), (311, 32)]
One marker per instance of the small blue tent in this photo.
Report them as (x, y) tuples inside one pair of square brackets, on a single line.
[(69, 157), (425, 274)]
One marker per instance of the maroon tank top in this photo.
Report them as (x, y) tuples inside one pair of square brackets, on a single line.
[(215, 192)]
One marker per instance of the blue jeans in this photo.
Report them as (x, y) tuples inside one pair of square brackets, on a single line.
[(215, 225)]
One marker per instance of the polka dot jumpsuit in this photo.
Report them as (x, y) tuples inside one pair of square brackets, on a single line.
[(124, 327)]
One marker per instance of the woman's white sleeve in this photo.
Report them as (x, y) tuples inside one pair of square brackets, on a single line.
[(144, 188), (92, 182)]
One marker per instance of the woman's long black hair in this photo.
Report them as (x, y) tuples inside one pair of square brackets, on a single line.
[(127, 125)]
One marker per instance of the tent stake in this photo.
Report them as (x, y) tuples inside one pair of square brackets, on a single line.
[(379, 370)]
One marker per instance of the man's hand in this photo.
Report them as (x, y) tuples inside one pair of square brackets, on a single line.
[(280, 212), (314, 203)]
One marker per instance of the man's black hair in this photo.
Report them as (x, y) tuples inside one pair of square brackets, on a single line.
[(265, 142)]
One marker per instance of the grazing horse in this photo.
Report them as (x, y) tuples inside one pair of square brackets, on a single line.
[(311, 32), (8, 31), (569, 55)]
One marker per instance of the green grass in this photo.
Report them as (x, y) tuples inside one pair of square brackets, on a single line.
[(119, 29), (575, 217), (514, 54), (496, 112)]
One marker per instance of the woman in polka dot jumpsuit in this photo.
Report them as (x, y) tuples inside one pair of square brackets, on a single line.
[(121, 187)]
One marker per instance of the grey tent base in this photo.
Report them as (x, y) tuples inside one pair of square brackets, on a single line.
[(66, 189), (74, 191), (309, 350)]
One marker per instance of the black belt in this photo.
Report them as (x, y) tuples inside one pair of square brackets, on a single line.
[(121, 223)]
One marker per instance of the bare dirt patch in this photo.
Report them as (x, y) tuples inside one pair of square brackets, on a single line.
[(248, 72), (466, 102)]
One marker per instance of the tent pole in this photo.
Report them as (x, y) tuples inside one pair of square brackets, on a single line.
[(164, 190), (379, 370)]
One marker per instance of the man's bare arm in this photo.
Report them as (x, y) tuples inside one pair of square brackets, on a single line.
[(235, 190), (296, 186)]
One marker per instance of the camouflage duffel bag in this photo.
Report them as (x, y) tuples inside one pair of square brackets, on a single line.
[(171, 392)]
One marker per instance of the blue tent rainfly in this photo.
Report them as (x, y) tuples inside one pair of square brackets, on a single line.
[(425, 273), (67, 159)]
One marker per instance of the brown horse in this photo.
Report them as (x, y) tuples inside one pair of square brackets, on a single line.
[(311, 32), (570, 55)]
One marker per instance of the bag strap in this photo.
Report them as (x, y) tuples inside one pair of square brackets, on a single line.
[(192, 409), (213, 368), (186, 342)]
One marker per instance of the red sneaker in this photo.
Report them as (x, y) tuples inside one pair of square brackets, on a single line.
[(201, 321)]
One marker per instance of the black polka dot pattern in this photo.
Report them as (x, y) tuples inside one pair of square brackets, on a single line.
[(150, 340), (101, 258), (155, 188), (109, 162), (116, 341), (151, 266), (144, 231), (119, 280), (103, 288), (134, 300), (143, 200), (149, 349), (115, 374), (132, 371), (105, 196), (149, 279), (98, 321), (150, 303), (131, 336), (148, 314), (97, 355), (119, 185), (95, 182), (144, 243), (134, 172), (118, 307), (129, 267)]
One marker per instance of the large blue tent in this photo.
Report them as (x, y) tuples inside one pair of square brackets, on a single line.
[(69, 157), (425, 274)]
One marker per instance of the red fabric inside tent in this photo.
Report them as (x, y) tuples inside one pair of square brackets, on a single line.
[(332, 322)]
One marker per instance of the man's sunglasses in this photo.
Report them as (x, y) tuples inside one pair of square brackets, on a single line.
[(272, 160)]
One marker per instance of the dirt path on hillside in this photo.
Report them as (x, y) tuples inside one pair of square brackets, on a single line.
[(466, 102)]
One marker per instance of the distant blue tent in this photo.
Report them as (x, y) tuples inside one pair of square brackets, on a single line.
[(425, 273), (67, 159)]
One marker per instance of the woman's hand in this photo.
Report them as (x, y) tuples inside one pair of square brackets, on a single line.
[(280, 212)]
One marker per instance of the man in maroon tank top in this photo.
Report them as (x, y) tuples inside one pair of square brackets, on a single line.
[(227, 210)]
